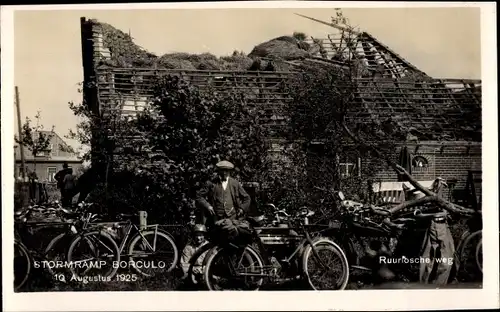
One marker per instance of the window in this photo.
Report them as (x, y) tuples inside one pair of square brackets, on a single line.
[(51, 172), (350, 168), (419, 162), (346, 169)]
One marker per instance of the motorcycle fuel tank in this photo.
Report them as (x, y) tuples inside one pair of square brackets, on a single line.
[(278, 236)]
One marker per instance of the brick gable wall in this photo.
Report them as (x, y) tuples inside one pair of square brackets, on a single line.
[(450, 162)]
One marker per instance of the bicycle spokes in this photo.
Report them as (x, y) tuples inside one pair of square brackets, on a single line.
[(152, 253), (92, 256), (328, 276), (235, 270)]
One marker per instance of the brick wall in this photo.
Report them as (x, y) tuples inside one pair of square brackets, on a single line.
[(450, 161)]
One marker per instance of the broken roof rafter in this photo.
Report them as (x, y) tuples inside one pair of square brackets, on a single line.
[(365, 38), (405, 97)]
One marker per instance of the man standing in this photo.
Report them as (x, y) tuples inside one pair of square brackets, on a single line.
[(224, 198), (68, 188), (59, 176)]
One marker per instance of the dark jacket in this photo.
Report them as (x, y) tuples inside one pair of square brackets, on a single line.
[(59, 177), (241, 200)]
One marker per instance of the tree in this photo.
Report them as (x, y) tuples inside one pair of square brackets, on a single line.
[(34, 138), (323, 95)]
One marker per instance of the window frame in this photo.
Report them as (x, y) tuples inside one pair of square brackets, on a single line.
[(419, 168), (349, 168), (49, 177)]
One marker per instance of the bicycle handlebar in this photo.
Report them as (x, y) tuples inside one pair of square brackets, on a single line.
[(283, 212), (271, 205)]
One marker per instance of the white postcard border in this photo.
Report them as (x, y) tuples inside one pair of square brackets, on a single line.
[(488, 297)]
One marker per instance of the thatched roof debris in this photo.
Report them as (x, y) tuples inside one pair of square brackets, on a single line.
[(118, 50), (284, 47), (387, 85)]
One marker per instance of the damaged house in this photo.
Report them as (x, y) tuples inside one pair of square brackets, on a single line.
[(442, 115)]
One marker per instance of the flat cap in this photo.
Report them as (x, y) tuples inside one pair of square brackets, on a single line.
[(225, 165)]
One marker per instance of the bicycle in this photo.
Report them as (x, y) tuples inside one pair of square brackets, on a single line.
[(470, 255), (302, 253), (21, 259), (194, 277), (139, 247), (479, 255), (22, 253)]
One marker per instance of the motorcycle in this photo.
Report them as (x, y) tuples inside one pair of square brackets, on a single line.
[(287, 251), (365, 235)]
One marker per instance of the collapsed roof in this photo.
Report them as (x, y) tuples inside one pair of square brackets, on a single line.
[(387, 86)]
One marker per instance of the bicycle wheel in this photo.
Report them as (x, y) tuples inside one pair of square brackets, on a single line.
[(336, 274), (479, 255), (153, 252), (469, 269), (55, 253), (93, 252), (233, 269), (22, 265)]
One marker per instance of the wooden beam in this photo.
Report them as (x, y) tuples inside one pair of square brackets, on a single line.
[(342, 28), (396, 55)]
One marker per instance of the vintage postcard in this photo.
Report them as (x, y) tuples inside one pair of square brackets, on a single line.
[(301, 155)]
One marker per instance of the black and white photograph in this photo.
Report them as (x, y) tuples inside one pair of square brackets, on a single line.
[(308, 150)]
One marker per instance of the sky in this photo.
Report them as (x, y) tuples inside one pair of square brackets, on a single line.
[(443, 42)]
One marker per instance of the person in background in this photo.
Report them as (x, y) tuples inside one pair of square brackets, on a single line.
[(68, 188), (59, 176), (223, 198), (198, 241), (33, 187)]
